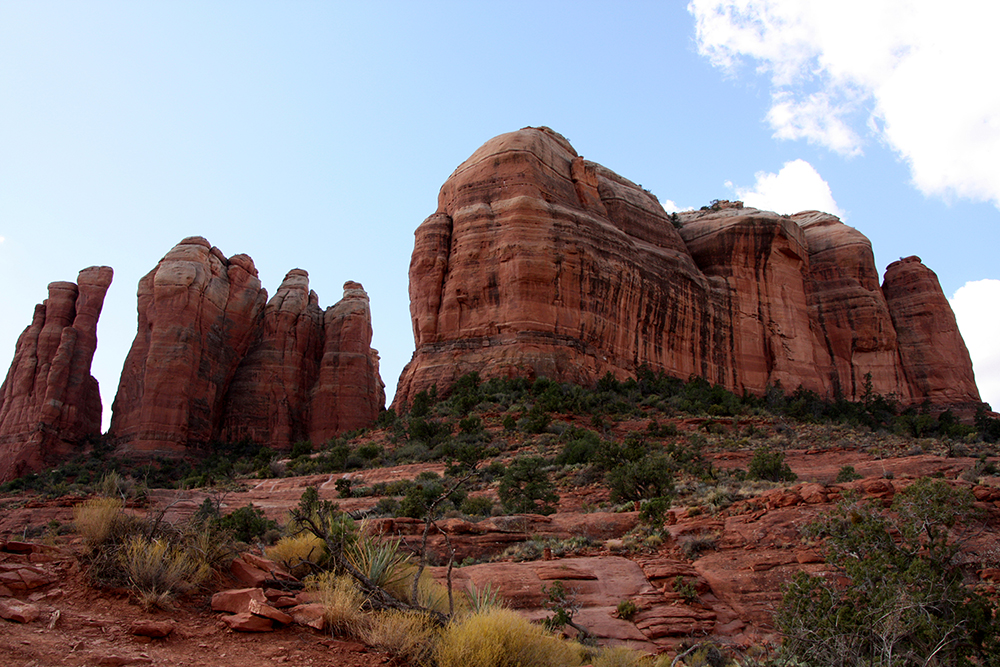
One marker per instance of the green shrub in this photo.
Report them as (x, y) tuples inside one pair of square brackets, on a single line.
[(526, 487), (301, 448), (477, 506), (686, 589), (769, 465), (847, 474), (470, 424), (626, 610), (650, 477), (536, 421), (906, 602), (247, 523), (654, 511), (581, 447)]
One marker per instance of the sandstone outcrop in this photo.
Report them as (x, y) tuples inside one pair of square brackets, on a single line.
[(213, 359), (49, 402), (538, 262), (197, 315), (935, 359)]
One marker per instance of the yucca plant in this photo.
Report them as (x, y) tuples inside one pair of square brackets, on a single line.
[(481, 599), (383, 562)]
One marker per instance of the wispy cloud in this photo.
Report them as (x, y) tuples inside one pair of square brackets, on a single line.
[(796, 187), (913, 74), (979, 320)]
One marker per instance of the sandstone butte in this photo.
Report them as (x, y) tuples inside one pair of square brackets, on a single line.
[(540, 263), (49, 402), (213, 359)]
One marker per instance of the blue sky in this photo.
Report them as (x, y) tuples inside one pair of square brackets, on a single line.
[(316, 135)]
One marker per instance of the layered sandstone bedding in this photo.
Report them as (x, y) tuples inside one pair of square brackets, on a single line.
[(542, 263)]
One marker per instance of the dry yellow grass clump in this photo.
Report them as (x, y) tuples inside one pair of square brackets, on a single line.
[(95, 517), (295, 552), (499, 637), (158, 570), (342, 603), (410, 636)]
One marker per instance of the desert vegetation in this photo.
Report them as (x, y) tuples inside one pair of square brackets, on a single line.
[(517, 446)]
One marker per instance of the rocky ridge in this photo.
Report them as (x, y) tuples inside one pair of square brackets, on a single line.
[(539, 262)]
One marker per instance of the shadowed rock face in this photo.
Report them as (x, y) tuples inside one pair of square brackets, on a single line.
[(310, 375), (213, 359), (539, 262), (49, 401)]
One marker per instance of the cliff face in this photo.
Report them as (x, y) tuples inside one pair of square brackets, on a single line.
[(213, 359), (49, 401), (935, 359), (540, 262), (310, 375)]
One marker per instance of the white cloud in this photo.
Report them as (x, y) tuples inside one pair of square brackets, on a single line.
[(975, 306), (670, 206), (796, 187), (1, 239), (915, 74)]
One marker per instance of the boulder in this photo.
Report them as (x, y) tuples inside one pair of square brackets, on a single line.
[(267, 611), (49, 401), (248, 622), (12, 609), (154, 629), (237, 601), (311, 615)]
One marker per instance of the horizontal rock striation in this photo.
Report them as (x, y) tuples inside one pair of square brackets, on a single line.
[(214, 360), (538, 262), (49, 402)]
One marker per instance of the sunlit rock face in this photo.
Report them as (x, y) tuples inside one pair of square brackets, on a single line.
[(49, 401), (538, 262), (213, 359), (935, 359)]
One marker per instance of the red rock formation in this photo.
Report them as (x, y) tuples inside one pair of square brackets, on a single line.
[(197, 316), (538, 262), (935, 359), (847, 305), (268, 400), (349, 392), (523, 269), (49, 401), (213, 359), (311, 375)]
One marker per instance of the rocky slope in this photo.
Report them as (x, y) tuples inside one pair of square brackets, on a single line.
[(214, 359), (747, 551), (538, 261), (49, 401)]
